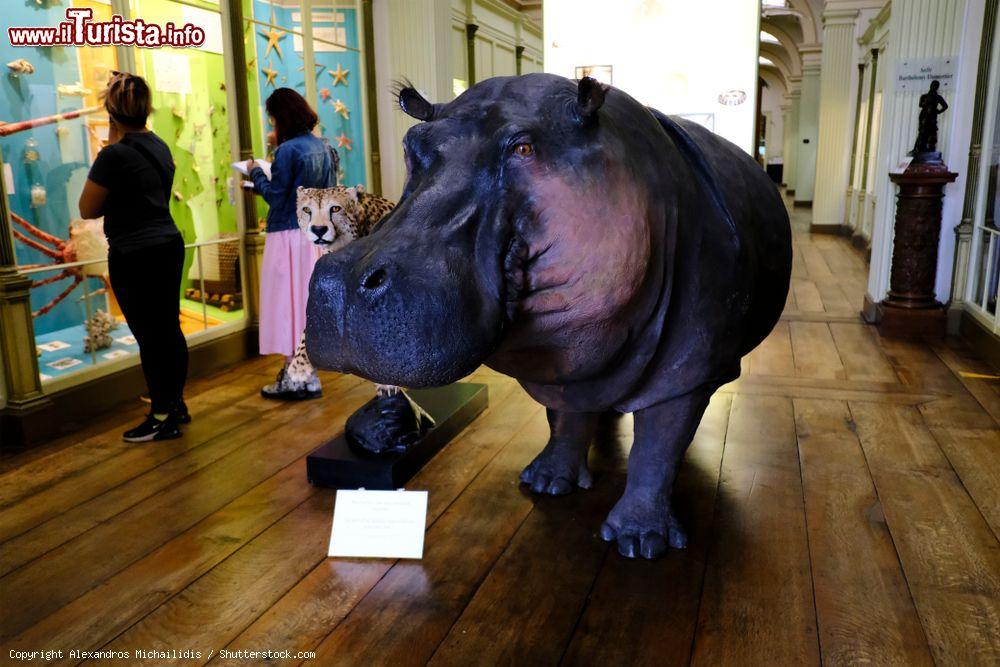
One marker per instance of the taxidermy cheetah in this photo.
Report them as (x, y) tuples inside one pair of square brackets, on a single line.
[(331, 218)]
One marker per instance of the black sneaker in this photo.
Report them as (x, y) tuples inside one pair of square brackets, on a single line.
[(153, 429), (180, 413)]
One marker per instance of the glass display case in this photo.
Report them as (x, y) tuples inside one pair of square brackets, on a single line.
[(292, 37), (53, 125)]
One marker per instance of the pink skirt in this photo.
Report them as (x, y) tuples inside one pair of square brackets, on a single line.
[(289, 258)]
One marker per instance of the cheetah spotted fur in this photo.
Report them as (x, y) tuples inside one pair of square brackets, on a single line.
[(331, 218)]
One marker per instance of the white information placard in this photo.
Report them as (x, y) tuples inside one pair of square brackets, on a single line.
[(210, 22), (172, 72), (379, 524), (916, 74)]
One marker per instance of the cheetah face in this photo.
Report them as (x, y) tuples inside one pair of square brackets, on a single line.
[(309, 206), (328, 216)]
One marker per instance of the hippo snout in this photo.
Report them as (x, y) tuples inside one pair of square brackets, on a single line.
[(383, 310), (325, 313)]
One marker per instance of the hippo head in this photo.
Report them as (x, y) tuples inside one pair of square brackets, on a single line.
[(518, 238)]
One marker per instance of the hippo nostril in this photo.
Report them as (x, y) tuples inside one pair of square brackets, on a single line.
[(374, 279)]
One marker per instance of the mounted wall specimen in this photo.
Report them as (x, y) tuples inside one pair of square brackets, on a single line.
[(606, 256)]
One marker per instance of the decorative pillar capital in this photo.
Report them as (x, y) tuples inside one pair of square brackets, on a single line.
[(840, 17)]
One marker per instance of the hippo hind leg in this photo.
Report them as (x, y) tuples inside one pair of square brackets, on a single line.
[(642, 522), (562, 465)]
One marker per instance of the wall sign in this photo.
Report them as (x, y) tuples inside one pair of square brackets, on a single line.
[(916, 74)]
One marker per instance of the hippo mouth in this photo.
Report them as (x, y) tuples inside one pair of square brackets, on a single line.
[(515, 264), (518, 262)]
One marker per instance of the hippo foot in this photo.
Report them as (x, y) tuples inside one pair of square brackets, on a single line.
[(386, 425), (559, 468), (643, 527)]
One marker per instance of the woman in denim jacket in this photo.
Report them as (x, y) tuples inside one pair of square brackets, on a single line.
[(301, 159)]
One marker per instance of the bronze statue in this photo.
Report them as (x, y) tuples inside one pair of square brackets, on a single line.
[(931, 105)]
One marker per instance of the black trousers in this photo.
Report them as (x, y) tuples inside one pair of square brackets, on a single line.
[(147, 284)]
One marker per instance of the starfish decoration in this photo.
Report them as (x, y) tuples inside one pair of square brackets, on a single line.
[(324, 93), (341, 108), (343, 141), (340, 75), (270, 73), (273, 37)]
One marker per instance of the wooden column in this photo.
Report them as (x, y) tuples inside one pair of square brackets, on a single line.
[(23, 387), (910, 307), (470, 43), (232, 15), (373, 135)]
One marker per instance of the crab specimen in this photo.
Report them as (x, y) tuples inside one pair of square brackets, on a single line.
[(86, 242)]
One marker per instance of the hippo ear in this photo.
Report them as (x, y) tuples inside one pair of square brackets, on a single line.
[(589, 98), (414, 104)]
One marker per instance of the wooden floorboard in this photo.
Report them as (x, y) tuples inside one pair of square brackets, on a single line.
[(863, 607), (842, 500), (949, 554), (614, 629), (759, 556), (314, 607)]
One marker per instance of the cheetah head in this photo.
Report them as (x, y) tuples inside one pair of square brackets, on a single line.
[(329, 217)]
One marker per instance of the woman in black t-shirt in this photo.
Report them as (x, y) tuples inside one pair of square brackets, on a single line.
[(129, 184)]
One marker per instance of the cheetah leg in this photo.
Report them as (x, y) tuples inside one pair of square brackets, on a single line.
[(300, 371)]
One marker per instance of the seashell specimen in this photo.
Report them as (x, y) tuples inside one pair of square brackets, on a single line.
[(21, 66)]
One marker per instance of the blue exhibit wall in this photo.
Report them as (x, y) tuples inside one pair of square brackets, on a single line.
[(29, 96), (331, 123)]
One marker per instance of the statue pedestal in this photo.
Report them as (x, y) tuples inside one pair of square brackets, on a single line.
[(452, 407), (910, 309)]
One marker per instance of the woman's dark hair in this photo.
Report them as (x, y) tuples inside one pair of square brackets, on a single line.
[(292, 114), (127, 99)]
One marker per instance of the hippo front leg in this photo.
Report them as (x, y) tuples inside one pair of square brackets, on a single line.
[(562, 465), (642, 522)]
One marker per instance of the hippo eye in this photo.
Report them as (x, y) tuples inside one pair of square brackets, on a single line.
[(335, 208), (524, 149)]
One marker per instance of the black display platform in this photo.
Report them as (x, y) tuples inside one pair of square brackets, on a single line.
[(453, 407)]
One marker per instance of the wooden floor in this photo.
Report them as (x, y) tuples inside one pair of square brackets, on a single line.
[(842, 499)]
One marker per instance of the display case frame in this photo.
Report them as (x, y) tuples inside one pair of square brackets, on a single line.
[(21, 387)]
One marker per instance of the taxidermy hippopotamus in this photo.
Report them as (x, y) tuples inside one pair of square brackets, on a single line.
[(604, 255)]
